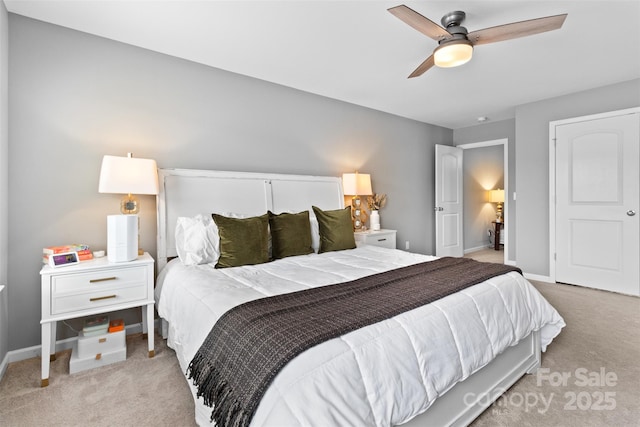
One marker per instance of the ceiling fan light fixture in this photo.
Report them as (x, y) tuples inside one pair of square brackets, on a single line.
[(453, 53)]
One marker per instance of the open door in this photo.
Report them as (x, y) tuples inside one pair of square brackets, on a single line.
[(448, 203)]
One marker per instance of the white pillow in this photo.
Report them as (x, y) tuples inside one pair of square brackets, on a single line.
[(315, 233), (197, 240)]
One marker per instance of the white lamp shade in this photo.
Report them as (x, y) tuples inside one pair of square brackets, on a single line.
[(356, 184), (128, 175), (453, 54), (496, 196)]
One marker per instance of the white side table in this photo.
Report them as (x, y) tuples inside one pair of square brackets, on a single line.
[(383, 238), (90, 288)]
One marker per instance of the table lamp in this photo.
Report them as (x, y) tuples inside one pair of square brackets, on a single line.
[(497, 196), (129, 176), (356, 185)]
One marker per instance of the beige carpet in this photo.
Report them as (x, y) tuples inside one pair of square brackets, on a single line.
[(137, 392), (603, 332)]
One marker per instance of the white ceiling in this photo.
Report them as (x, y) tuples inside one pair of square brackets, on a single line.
[(358, 52)]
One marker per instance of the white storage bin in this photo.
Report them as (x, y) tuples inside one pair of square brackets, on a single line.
[(76, 364), (98, 350), (100, 344)]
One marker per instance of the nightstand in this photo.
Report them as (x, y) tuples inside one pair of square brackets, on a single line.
[(498, 226), (382, 238), (94, 287)]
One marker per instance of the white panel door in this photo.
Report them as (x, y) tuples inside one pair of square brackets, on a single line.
[(448, 203), (598, 196)]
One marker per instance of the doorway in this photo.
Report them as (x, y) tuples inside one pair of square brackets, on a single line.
[(493, 175), (449, 233)]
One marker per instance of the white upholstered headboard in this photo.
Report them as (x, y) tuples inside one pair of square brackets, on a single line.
[(188, 192)]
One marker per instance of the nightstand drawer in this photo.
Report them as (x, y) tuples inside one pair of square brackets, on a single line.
[(97, 280), (381, 238), (98, 298), (382, 241)]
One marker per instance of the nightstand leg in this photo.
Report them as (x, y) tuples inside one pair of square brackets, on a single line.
[(45, 353), (147, 326), (52, 351)]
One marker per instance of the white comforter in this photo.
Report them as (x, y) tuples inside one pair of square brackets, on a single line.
[(384, 374)]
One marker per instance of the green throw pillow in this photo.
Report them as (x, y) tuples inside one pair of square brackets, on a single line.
[(243, 241), (336, 229), (290, 234)]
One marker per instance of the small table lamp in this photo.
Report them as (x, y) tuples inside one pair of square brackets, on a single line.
[(356, 185), (497, 196), (126, 175)]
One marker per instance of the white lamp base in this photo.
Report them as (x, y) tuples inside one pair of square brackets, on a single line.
[(122, 238)]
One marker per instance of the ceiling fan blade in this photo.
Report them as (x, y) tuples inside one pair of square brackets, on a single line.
[(422, 68), (516, 29), (419, 22)]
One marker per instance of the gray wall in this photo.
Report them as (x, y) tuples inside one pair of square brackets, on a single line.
[(4, 179), (532, 162), (483, 170), (488, 132), (74, 98)]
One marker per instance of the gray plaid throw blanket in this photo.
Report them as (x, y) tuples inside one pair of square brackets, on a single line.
[(250, 343)]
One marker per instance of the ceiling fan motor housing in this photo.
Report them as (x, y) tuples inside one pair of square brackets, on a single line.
[(454, 37), (453, 19), (452, 22)]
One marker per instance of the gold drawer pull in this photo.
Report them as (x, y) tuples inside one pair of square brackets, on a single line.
[(102, 280), (101, 298), (101, 340)]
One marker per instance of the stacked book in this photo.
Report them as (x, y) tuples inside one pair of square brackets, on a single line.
[(97, 325), (84, 253)]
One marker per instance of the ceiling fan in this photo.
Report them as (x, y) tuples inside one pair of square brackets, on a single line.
[(455, 43)]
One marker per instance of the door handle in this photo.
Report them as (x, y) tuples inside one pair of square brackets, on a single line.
[(631, 212), (438, 209)]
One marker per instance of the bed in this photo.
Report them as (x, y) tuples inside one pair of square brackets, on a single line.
[(439, 364)]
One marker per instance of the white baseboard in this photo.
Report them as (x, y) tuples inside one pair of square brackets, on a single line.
[(3, 366), (538, 277), (476, 249), (65, 344)]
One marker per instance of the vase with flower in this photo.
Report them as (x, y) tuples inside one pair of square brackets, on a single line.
[(375, 203)]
